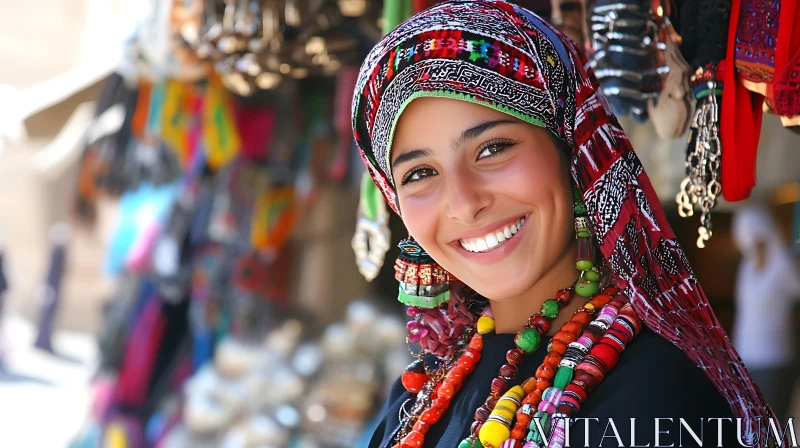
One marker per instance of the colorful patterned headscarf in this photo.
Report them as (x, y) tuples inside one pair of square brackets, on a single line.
[(502, 56)]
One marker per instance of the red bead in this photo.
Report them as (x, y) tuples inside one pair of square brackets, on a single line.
[(456, 374), (611, 290), (546, 372), (421, 427), (564, 296), (482, 413), (431, 416), (467, 364), (446, 391), (414, 439), (441, 403), (540, 323), (499, 386), (509, 371), (586, 380), (475, 354), (592, 369), (577, 390), (491, 401), (519, 432), (476, 342), (523, 419), (567, 409), (514, 356), (413, 381), (606, 354), (600, 300)]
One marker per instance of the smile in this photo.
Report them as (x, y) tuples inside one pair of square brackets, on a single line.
[(493, 239)]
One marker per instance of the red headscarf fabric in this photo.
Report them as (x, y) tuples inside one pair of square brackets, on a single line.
[(504, 57)]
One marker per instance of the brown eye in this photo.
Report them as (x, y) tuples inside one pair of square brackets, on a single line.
[(492, 148), (418, 174)]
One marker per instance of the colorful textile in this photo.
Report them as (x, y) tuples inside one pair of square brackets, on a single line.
[(502, 56), (756, 39)]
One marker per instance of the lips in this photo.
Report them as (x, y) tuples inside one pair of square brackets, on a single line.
[(493, 239)]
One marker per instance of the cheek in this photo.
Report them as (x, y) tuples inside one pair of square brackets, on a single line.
[(421, 219), (530, 180)]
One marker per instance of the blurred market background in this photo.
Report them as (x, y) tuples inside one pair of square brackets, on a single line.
[(179, 189)]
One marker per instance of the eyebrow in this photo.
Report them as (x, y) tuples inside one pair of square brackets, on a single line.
[(467, 135)]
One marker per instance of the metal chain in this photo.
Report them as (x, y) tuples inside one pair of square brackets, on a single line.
[(701, 185)]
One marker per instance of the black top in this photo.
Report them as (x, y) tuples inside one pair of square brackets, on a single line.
[(653, 379)]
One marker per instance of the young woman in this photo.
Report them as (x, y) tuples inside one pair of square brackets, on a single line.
[(487, 134)]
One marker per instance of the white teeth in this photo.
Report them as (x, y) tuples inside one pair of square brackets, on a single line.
[(492, 240)]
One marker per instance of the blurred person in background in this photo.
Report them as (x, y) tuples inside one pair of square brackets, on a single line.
[(767, 287)]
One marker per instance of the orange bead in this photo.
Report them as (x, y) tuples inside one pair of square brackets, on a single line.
[(546, 372), (414, 439), (523, 419), (552, 359), (421, 427), (582, 317), (565, 337), (440, 403), (542, 384), (611, 290), (572, 327), (530, 399), (559, 347)]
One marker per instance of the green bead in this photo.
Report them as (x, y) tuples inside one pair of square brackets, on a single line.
[(584, 234), (584, 265), (563, 377), (586, 288), (592, 276), (470, 442), (579, 209), (544, 422), (528, 340), (550, 309)]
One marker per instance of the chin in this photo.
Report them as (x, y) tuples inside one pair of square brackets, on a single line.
[(500, 288)]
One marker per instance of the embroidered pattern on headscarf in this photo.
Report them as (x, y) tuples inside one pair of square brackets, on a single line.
[(494, 53)]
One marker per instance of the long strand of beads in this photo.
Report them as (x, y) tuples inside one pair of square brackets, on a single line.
[(443, 393), (574, 354), (547, 371), (602, 357), (488, 429)]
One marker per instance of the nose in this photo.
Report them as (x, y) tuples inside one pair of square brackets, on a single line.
[(465, 196)]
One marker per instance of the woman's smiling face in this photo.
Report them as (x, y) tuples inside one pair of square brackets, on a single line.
[(486, 195)]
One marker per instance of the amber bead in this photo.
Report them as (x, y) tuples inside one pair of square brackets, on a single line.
[(514, 356), (414, 439), (565, 337), (546, 372), (529, 385), (509, 371), (572, 327), (540, 323), (446, 391), (421, 427), (431, 416), (582, 317)]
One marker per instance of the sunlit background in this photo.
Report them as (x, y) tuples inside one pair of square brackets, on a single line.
[(146, 306)]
